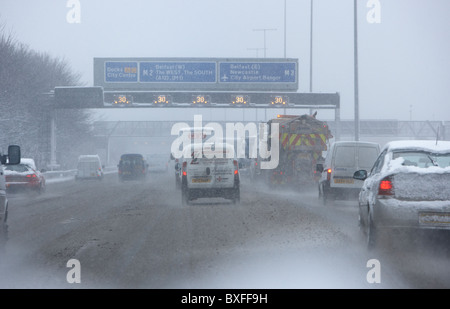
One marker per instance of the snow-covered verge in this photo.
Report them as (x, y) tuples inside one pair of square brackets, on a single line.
[(57, 176)]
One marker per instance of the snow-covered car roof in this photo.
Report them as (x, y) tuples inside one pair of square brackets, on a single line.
[(18, 169), (28, 161), (426, 145)]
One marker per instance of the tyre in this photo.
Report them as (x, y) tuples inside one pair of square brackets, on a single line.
[(327, 195), (4, 219), (236, 196), (3, 237), (324, 195), (371, 234), (361, 224), (185, 196)]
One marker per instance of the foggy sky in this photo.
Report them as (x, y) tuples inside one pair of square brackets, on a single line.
[(404, 70)]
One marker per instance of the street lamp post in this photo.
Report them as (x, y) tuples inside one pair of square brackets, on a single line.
[(311, 53), (311, 49), (257, 50), (356, 71), (264, 30), (285, 29)]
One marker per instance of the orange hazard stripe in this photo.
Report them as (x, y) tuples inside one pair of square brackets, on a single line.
[(298, 140), (292, 137), (295, 139), (284, 139), (312, 140), (307, 140), (323, 138)]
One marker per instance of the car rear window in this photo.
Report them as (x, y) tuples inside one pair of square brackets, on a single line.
[(17, 168), (90, 165), (344, 156), (422, 159), (367, 157)]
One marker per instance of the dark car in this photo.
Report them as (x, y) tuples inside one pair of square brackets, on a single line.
[(132, 166)]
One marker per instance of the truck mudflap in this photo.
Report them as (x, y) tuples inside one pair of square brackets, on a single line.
[(3, 207)]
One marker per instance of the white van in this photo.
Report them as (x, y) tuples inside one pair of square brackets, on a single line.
[(209, 173), (193, 135), (89, 167), (342, 161)]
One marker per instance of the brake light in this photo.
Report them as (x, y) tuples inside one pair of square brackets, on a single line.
[(329, 174), (386, 187), (236, 165), (31, 176), (184, 168)]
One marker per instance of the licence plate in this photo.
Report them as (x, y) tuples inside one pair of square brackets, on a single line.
[(201, 180), (434, 218), (343, 180)]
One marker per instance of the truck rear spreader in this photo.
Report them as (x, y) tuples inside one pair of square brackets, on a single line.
[(302, 140)]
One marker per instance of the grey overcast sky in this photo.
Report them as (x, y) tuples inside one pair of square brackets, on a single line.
[(404, 66)]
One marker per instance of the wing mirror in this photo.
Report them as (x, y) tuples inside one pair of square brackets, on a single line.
[(319, 167), (14, 154), (360, 175)]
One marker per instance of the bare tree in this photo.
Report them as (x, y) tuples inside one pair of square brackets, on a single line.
[(26, 79)]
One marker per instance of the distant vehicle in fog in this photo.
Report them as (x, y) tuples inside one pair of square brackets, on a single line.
[(408, 187), (158, 162), (89, 167), (132, 166)]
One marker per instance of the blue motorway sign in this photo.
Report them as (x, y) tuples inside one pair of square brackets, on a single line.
[(197, 74), (177, 72), (258, 72), (121, 71)]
